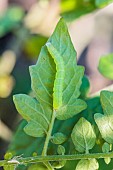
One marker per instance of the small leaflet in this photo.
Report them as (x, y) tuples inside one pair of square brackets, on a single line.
[(106, 149), (58, 138), (83, 136), (87, 164)]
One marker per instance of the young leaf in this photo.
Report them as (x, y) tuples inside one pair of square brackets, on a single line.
[(9, 167), (83, 136), (106, 66), (8, 155), (59, 164), (61, 150), (38, 166), (58, 138), (87, 164), (106, 149)]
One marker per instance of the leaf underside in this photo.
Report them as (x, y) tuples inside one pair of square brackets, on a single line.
[(38, 111), (83, 136)]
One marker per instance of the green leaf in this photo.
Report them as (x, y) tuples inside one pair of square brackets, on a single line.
[(25, 147), (106, 149), (38, 166), (43, 75), (10, 20), (59, 164), (31, 43), (85, 87), (73, 9), (9, 167), (67, 111), (105, 122), (8, 155), (106, 66), (102, 3), (39, 112), (83, 136), (87, 164), (58, 138), (31, 110), (106, 99), (104, 125), (61, 150)]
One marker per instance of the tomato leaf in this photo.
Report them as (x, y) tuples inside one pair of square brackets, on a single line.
[(44, 77), (105, 122), (83, 136), (87, 164)]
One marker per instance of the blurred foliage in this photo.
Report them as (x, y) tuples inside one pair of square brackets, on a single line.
[(11, 19), (72, 9), (106, 66), (7, 62), (33, 45)]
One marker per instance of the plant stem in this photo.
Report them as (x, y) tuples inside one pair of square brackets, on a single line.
[(44, 152), (40, 158)]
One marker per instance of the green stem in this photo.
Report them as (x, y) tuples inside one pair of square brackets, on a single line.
[(37, 159), (44, 152)]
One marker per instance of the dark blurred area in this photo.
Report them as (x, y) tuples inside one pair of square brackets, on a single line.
[(24, 29)]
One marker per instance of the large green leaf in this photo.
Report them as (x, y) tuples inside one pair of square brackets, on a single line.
[(43, 75), (106, 66), (105, 122), (39, 112), (83, 136)]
